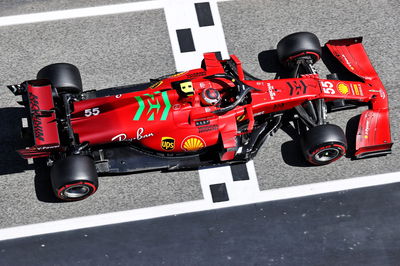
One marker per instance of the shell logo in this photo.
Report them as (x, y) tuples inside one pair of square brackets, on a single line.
[(193, 143), (343, 88)]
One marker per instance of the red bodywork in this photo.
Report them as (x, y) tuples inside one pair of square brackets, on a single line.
[(373, 133), (43, 118), (161, 119)]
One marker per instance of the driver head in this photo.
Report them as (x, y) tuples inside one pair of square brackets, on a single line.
[(210, 96)]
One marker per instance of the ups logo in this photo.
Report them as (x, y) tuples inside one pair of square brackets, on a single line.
[(167, 143)]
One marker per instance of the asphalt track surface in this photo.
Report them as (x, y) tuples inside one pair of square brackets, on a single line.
[(134, 47)]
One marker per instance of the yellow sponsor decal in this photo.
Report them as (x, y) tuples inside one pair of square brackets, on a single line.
[(187, 88), (343, 88), (355, 88), (193, 143), (240, 118), (167, 143), (178, 74), (156, 85)]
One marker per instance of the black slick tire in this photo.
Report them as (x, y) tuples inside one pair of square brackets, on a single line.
[(323, 144), (74, 178), (65, 77), (297, 45)]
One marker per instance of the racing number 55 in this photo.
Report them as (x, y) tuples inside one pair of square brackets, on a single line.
[(327, 87), (92, 111)]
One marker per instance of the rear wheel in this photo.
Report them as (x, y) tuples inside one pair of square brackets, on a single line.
[(298, 45), (65, 77), (324, 144), (74, 178)]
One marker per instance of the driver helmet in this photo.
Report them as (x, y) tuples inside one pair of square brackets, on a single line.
[(210, 96)]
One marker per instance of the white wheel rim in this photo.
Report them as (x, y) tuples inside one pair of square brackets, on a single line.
[(76, 191), (326, 155)]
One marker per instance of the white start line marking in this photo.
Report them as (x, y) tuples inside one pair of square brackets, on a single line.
[(196, 39)]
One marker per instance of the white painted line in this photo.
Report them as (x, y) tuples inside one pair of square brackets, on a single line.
[(251, 170), (181, 14), (83, 12), (195, 206)]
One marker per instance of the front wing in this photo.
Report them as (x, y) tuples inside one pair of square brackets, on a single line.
[(373, 134)]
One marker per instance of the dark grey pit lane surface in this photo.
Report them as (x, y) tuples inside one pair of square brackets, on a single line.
[(356, 227)]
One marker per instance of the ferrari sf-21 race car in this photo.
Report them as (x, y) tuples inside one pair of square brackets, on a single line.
[(216, 114)]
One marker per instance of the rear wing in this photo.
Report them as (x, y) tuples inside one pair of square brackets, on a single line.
[(373, 134), (38, 99)]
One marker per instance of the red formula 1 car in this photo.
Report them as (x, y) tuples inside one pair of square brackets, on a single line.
[(208, 116)]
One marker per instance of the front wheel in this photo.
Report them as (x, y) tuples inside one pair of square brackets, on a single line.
[(298, 45), (74, 178), (324, 144)]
